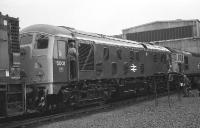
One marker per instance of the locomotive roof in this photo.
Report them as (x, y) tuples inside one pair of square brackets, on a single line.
[(174, 50), (50, 29), (98, 38)]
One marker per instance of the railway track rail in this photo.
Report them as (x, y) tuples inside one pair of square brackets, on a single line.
[(77, 113)]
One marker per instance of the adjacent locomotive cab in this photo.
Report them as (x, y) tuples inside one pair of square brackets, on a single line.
[(11, 84)]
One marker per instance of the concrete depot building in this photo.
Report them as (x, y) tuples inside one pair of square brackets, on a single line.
[(179, 34)]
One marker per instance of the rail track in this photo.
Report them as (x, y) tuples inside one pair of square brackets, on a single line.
[(35, 121)]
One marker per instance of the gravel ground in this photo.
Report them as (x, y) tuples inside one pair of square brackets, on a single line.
[(184, 113)]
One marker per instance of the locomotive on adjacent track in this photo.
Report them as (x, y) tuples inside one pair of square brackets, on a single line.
[(186, 63), (11, 86)]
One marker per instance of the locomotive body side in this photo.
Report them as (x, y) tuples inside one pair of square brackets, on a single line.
[(110, 61), (122, 60)]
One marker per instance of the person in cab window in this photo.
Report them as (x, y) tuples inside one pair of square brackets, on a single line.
[(72, 52)]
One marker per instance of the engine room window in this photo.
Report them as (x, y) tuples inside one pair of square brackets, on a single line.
[(61, 49), (119, 54), (106, 53), (114, 68), (137, 56), (155, 58), (41, 41), (131, 55), (86, 55), (126, 67), (26, 39)]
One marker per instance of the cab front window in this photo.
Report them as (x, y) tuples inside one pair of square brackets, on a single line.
[(42, 41)]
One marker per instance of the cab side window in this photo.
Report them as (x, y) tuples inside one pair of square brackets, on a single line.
[(60, 50)]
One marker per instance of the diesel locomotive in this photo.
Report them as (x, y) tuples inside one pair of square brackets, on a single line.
[(63, 66)]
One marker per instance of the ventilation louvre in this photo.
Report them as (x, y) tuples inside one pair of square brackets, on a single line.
[(86, 57)]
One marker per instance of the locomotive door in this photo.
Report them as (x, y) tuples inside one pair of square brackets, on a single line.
[(60, 63)]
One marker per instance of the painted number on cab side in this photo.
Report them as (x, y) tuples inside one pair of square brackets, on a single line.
[(60, 63)]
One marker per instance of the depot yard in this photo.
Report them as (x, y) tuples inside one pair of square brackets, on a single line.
[(177, 112)]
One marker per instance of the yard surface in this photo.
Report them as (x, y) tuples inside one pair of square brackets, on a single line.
[(181, 113)]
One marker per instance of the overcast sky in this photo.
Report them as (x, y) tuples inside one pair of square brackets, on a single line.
[(99, 16)]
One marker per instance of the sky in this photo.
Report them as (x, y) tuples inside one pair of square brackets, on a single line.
[(99, 16)]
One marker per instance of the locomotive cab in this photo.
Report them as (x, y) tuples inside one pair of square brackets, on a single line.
[(48, 60), (47, 63)]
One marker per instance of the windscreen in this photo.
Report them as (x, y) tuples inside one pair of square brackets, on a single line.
[(42, 41)]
